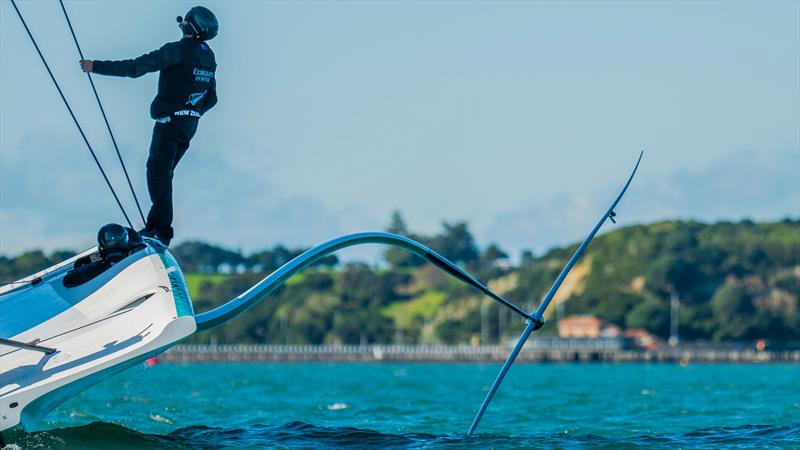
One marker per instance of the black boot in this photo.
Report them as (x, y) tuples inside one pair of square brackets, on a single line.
[(154, 234)]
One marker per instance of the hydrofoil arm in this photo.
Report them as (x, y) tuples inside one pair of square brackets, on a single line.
[(260, 290), (537, 319)]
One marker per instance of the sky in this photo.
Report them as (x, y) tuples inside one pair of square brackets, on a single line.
[(521, 118)]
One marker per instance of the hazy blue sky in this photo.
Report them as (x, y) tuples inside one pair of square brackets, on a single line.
[(522, 118)]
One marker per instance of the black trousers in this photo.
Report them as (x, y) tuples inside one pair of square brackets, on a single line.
[(169, 144)]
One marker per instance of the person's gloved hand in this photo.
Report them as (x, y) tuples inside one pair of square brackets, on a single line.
[(86, 65)]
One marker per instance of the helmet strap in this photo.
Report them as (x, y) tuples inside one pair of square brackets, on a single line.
[(196, 33), (193, 31)]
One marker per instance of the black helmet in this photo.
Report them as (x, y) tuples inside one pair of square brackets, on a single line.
[(112, 238), (201, 23)]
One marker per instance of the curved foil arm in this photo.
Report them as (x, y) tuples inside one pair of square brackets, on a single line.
[(260, 290)]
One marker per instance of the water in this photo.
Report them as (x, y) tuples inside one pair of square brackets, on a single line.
[(431, 405)]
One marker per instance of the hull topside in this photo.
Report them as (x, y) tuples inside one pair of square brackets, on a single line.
[(137, 307)]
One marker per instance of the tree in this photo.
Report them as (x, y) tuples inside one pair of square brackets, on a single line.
[(397, 257), (6, 270), (456, 243), (650, 314), (492, 255), (526, 258), (359, 286), (397, 224), (734, 312), (672, 272), (195, 256), (61, 255), (29, 263)]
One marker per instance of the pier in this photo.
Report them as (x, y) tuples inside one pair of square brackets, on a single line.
[(466, 353)]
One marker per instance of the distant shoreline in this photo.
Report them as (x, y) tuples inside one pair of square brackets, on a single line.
[(461, 353)]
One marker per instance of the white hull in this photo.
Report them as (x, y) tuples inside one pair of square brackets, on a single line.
[(134, 310)]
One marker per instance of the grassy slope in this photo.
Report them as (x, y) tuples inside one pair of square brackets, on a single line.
[(195, 280)]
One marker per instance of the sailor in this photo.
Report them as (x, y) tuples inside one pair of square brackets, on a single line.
[(186, 90)]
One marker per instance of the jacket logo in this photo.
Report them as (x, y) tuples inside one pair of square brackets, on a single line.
[(194, 98), (202, 75), (186, 112)]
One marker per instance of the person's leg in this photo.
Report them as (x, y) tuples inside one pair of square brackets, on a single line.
[(187, 126), (160, 166), (180, 151)]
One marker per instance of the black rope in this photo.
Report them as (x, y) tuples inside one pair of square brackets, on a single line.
[(64, 99), (103, 111)]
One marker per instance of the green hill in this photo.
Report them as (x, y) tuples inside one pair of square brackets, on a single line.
[(735, 281)]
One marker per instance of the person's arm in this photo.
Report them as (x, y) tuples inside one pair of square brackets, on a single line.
[(210, 99), (154, 61)]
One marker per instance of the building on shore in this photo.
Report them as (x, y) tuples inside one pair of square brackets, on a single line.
[(588, 328), (584, 326), (642, 338)]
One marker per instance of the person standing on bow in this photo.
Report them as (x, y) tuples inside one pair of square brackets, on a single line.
[(186, 90)]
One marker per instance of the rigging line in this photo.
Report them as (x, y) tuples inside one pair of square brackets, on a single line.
[(74, 119), (103, 112)]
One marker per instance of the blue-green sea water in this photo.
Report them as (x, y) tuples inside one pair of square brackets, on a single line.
[(431, 405)]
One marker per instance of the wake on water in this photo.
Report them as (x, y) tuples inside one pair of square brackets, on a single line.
[(102, 435)]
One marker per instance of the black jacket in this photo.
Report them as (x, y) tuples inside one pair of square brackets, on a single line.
[(186, 84)]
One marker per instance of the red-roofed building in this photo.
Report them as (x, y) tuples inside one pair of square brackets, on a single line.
[(580, 326)]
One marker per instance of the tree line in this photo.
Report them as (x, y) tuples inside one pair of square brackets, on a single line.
[(735, 281)]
